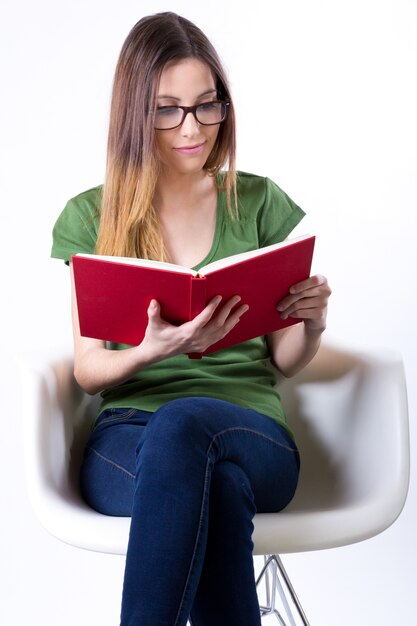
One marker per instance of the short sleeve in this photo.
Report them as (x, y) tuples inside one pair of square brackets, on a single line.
[(279, 215), (76, 229)]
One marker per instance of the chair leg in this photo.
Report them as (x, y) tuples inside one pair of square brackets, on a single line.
[(277, 579)]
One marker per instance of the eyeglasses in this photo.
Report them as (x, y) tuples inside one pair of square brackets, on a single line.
[(207, 113)]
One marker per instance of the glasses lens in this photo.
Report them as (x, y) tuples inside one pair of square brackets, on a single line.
[(168, 117), (207, 113), (211, 112)]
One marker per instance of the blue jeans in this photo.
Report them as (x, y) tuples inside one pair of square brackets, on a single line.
[(191, 475)]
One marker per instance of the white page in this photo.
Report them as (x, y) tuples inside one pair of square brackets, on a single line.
[(236, 258), (142, 263)]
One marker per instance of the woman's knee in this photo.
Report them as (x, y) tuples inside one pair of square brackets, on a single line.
[(231, 491), (177, 437), (185, 419)]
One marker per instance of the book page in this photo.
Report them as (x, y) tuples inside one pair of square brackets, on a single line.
[(161, 265), (243, 256)]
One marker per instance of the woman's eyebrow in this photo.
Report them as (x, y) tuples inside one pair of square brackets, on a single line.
[(206, 93)]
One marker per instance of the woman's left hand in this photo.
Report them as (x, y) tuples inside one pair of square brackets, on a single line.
[(307, 301)]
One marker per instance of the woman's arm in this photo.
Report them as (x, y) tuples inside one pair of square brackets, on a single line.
[(293, 348), (97, 368)]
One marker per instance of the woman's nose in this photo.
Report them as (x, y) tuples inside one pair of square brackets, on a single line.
[(190, 125)]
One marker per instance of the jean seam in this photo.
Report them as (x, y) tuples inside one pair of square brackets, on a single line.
[(197, 539), (110, 462), (252, 432), (114, 418)]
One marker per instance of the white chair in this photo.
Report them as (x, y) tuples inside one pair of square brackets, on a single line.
[(349, 414)]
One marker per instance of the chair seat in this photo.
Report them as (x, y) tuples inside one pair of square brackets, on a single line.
[(349, 415)]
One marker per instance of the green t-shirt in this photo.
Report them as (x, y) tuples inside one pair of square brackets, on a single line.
[(241, 374)]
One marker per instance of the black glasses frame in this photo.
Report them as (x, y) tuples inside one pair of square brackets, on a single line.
[(193, 110)]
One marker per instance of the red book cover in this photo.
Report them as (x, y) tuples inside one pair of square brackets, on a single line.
[(113, 294)]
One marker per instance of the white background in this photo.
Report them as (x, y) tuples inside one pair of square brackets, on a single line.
[(326, 101)]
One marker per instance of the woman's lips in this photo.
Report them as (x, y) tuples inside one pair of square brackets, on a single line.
[(190, 149)]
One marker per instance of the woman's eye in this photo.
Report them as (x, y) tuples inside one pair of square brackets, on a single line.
[(162, 111), (208, 106)]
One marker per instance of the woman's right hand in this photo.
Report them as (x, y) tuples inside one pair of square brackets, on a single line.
[(163, 340)]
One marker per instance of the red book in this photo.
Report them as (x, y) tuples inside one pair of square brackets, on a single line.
[(113, 293)]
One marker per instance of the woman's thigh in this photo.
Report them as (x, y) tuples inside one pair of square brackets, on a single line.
[(188, 432), (109, 466), (187, 437)]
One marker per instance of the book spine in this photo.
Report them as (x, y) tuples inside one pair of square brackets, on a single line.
[(197, 303), (197, 296)]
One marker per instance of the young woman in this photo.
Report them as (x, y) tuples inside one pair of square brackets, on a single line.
[(190, 449)]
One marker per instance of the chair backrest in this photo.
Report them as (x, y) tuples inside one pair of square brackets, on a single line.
[(350, 418), (63, 417), (349, 414)]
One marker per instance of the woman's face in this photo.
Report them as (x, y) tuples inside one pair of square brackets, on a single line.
[(185, 149)]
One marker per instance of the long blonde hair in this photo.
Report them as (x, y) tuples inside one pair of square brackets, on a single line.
[(129, 225)]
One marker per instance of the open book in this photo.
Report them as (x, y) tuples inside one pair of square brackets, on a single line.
[(113, 293)]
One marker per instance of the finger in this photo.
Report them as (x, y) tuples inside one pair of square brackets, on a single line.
[(217, 329), (311, 318), (290, 301), (214, 302), (153, 310), (234, 318), (309, 283), (206, 314), (317, 305), (321, 291), (226, 309), (155, 321)]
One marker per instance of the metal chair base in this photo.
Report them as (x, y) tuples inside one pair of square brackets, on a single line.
[(277, 580)]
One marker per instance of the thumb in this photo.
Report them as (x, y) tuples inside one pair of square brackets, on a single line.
[(153, 310)]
